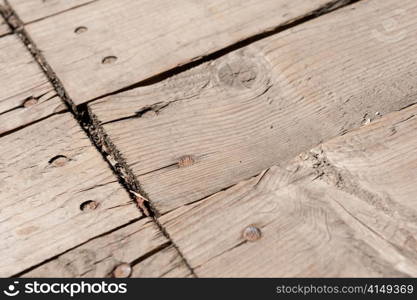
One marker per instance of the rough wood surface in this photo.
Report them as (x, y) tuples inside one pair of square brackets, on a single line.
[(26, 95), (261, 105), (131, 244), (33, 10), (4, 28), (347, 208), (123, 42), (56, 192)]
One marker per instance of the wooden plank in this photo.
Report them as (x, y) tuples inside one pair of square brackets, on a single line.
[(122, 42), (27, 95), (34, 10), (129, 245), (355, 218), (56, 192), (4, 28), (263, 104)]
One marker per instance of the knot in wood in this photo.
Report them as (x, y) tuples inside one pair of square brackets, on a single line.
[(238, 73)]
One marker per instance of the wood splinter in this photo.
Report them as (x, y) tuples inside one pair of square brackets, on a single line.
[(140, 200)]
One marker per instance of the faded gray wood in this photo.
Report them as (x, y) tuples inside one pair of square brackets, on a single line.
[(26, 94), (131, 245), (108, 45), (34, 10), (346, 208), (56, 193), (261, 105)]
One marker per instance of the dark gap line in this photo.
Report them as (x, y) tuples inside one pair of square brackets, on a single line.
[(79, 245), (150, 253), (59, 12), (132, 184), (30, 124), (6, 34), (159, 169), (21, 106), (327, 8), (11, 110)]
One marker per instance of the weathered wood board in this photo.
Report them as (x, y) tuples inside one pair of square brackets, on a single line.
[(128, 245), (4, 28), (230, 118), (33, 10), (347, 208), (108, 45), (56, 192), (26, 94)]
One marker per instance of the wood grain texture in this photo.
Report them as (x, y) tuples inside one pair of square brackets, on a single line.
[(21, 80), (131, 244), (34, 10), (263, 104), (149, 37), (355, 218), (49, 174), (4, 28)]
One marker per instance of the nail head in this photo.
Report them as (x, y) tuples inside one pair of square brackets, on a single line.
[(109, 60), (88, 205), (80, 29), (59, 161)]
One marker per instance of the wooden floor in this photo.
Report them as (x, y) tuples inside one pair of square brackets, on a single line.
[(273, 138)]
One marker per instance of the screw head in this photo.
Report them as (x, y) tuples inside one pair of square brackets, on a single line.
[(252, 233)]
